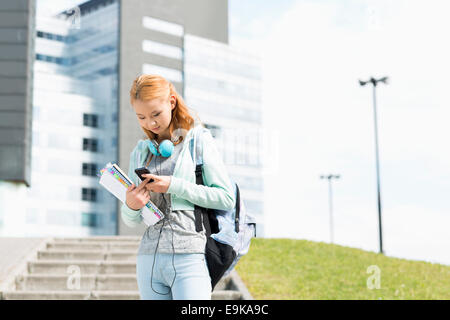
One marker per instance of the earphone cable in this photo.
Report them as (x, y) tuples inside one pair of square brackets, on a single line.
[(173, 249)]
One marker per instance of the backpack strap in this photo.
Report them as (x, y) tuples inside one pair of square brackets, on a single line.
[(238, 209), (196, 147)]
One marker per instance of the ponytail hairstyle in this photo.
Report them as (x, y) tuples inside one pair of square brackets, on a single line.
[(151, 86)]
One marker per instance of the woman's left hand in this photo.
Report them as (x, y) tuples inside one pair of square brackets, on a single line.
[(160, 183)]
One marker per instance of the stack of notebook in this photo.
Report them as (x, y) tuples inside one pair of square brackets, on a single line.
[(117, 182)]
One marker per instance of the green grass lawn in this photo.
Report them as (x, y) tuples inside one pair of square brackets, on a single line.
[(301, 269)]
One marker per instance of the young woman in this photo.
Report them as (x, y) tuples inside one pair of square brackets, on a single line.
[(171, 260)]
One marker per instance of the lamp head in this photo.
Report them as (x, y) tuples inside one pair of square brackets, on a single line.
[(384, 79)]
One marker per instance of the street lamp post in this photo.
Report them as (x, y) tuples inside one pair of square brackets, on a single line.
[(374, 83), (329, 177)]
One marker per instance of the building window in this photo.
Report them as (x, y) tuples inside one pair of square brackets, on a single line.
[(31, 216), (90, 144), (168, 73), (89, 194), (89, 169), (215, 130), (162, 49), (50, 36), (90, 120), (251, 183), (89, 219), (70, 39), (163, 26), (60, 217), (256, 207)]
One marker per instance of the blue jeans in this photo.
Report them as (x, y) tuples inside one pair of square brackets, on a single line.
[(192, 280)]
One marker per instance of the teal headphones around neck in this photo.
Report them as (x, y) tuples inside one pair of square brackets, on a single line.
[(165, 148)]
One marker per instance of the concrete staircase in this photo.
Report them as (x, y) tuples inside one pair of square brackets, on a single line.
[(91, 268)]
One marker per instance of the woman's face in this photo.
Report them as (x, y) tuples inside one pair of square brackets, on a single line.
[(155, 115)]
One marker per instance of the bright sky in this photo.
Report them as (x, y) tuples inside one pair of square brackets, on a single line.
[(313, 54)]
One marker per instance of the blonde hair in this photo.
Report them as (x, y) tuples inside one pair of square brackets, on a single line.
[(151, 86)]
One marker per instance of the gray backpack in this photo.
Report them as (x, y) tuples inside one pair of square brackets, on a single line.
[(228, 233)]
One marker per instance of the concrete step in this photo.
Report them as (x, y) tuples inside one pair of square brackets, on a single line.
[(111, 282), (129, 239), (32, 282), (122, 255), (87, 282), (93, 245), (107, 270), (70, 295), (86, 267), (223, 284), (97, 295), (133, 249), (226, 295)]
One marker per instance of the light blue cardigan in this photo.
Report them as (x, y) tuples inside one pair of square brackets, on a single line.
[(217, 193)]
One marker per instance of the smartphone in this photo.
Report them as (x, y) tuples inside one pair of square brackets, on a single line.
[(141, 171)]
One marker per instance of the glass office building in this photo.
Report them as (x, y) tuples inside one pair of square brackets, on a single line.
[(74, 124), (223, 86)]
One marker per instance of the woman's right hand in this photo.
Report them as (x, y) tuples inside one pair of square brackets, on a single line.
[(137, 197)]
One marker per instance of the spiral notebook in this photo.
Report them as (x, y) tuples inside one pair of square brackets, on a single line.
[(117, 182)]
